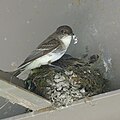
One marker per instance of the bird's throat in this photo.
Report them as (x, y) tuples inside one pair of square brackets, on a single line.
[(66, 40)]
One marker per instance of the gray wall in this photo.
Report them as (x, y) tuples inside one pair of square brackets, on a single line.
[(25, 23)]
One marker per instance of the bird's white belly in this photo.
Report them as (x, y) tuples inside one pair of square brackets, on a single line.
[(50, 57), (44, 60)]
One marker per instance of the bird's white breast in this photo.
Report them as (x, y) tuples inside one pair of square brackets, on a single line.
[(66, 40)]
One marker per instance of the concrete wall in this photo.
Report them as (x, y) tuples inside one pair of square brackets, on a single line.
[(25, 23)]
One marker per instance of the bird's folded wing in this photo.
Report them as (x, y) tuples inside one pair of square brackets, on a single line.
[(45, 47)]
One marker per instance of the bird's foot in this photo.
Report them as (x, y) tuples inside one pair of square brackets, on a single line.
[(57, 68)]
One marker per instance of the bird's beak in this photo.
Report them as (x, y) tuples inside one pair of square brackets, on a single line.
[(75, 39)]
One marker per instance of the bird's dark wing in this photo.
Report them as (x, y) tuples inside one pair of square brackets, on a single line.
[(45, 47)]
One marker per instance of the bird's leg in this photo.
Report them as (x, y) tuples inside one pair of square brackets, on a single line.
[(58, 68)]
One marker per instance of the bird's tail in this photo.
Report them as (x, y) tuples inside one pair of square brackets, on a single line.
[(13, 73), (10, 74), (16, 72)]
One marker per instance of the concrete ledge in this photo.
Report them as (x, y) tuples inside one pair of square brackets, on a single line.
[(103, 107), (22, 97)]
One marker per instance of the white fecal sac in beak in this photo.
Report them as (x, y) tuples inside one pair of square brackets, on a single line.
[(75, 39)]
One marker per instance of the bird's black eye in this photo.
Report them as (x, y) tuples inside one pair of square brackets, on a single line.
[(62, 31)]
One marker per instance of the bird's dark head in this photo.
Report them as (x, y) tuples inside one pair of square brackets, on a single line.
[(64, 30)]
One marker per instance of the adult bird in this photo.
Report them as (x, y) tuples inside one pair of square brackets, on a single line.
[(50, 50)]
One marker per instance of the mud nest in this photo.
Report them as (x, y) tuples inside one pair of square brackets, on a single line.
[(67, 80)]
